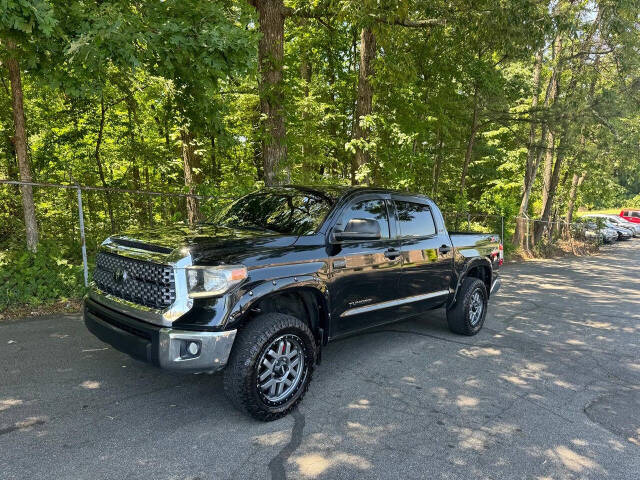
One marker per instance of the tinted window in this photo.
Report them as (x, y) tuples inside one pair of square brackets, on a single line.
[(372, 209), (288, 212), (415, 220)]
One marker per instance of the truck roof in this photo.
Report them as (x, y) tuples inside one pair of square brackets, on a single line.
[(335, 192)]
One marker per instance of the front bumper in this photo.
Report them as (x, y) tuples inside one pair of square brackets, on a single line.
[(160, 346)]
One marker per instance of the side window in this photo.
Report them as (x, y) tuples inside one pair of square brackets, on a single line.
[(371, 209), (414, 220), (625, 214)]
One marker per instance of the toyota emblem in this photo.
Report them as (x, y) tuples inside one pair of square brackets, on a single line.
[(120, 275)]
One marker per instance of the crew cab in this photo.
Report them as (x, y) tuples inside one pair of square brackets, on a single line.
[(261, 288)]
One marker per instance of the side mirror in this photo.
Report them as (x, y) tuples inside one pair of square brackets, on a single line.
[(358, 229)]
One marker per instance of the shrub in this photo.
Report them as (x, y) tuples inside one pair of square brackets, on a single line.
[(38, 278)]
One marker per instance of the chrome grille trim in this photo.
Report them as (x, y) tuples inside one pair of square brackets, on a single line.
[(177, 261)]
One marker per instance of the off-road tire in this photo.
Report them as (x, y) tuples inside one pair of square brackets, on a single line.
[(460, 314), (240, 374)]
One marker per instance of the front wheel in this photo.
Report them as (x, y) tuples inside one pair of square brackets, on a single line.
[(467, 315), (270, 366)]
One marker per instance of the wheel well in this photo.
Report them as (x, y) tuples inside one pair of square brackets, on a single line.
[(305, 304), (483, 273)]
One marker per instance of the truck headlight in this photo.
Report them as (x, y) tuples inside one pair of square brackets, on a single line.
[(205, 281)]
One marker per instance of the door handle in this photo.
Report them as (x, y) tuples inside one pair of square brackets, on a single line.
[(444, 249), (392, 253)]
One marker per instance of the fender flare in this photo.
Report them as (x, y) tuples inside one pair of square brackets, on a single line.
[(475, 262), (254, 293)]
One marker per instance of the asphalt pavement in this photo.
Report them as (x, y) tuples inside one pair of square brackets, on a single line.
[(550, 389)]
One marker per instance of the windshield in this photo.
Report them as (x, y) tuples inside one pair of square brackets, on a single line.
[(290, 212)]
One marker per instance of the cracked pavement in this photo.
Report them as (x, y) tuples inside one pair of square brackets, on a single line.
[(550, 388)]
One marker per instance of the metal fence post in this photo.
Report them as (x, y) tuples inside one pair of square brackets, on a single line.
[(82, 239), (502, 228), (468, 221)]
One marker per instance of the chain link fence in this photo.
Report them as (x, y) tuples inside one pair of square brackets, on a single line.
[(74, 220)]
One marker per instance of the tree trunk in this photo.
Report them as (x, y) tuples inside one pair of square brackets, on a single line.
[(437, 167), (575, 185), (191, 163), (553, 184), (20, 145), (551, 97), (271, 15), (100, 168), (149, 204), (472, 139), (531, 168), (215, 167), (364, 101), (305, 75)]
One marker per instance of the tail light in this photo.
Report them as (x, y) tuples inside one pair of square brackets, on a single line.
[(501, 255)]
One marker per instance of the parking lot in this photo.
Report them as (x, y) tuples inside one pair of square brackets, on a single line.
[(549, 389)]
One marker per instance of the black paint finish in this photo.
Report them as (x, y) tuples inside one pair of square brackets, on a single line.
[(357, 283)]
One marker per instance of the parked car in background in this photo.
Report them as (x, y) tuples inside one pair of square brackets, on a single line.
[(595, 230), (621, 222), (603, 222), (631, 215)]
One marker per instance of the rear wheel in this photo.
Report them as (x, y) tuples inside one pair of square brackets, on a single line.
[(270, 366), (467, 315)]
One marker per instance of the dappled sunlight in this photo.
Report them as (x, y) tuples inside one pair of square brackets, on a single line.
[(360, 404), (7, 403), (90, 384), (476, 352), (368, 435), (572, 460), (464, 401), (273, 438), (312, 465)]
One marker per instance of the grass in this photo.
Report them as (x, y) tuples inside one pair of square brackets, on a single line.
[(614, 211)]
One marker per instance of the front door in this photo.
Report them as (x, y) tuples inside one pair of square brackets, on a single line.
[(364, 274)]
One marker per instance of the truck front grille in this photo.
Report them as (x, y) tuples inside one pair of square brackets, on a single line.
[(145, 283)]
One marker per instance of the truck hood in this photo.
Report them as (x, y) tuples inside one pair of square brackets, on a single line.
[(207, 244)]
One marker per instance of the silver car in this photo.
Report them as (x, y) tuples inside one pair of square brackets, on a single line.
[(621, 222), (624, 231)]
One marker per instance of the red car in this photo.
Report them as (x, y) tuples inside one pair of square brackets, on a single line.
[(631, 215)]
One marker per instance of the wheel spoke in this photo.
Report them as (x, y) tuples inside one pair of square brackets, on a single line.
[(272, 354), (292, 354), (287, 381), (265, 374), (272, 391), (267, 364), (268, 384), (294, 362)]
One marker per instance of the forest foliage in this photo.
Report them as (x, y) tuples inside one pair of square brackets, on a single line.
[(505, 107)]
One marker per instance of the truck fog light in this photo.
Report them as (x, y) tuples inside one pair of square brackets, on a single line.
[(193, 348)]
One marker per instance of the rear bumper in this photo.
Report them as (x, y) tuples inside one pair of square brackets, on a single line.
[(160, 346)]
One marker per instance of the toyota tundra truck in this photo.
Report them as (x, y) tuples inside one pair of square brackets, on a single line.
[(258, 290)]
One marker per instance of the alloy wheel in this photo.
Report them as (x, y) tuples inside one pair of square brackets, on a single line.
[(475, 308), (281, 368)]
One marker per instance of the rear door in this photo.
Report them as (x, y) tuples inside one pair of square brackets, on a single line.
[(427, 255), (364, 274)]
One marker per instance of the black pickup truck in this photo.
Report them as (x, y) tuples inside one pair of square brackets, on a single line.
[(262, 288)]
